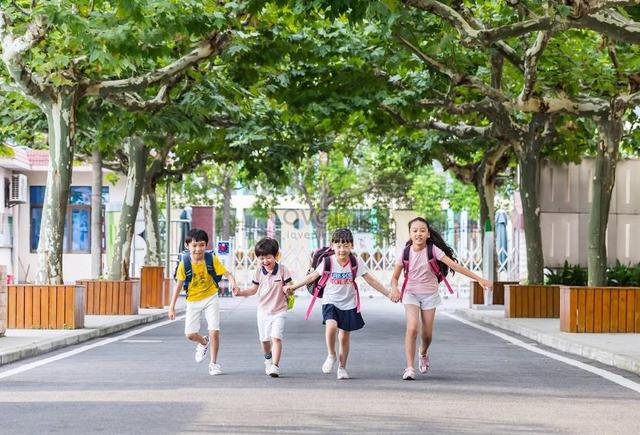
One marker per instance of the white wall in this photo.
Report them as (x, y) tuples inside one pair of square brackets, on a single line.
[(74, 266)]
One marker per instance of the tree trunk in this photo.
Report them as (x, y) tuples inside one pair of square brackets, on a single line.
[(96, 213), (135, 150), (610, 132), (486, 189), (61, 122), (226, 206), (529, 161), (151, 225)]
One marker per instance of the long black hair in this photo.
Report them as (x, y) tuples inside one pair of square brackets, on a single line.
[(435, 238)]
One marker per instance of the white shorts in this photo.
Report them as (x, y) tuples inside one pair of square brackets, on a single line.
[(210, 307), (427, 301), (271, 325)]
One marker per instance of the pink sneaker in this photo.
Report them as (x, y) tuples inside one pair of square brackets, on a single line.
[(424, 363)]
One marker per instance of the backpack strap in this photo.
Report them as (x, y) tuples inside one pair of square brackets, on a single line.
[(326, 273), (211, 269), (435, 267), (354, 272), (188, 270), (405, 267)]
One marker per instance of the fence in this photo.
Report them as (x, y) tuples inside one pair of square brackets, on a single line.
[(380, 262)]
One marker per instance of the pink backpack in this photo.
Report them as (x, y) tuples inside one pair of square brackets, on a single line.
[(435, 265)]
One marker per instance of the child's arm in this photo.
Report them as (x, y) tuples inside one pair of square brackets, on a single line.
[(174, 299), (463, 270), (373, 282), (395, 293), (246, 292), (289, 289), (232, 281)]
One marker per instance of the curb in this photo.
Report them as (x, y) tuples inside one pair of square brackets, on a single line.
[(561, 344), (39, 348)]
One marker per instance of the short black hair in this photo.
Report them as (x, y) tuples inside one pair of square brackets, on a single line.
[(196, 235), (342, 235), (267, 246)]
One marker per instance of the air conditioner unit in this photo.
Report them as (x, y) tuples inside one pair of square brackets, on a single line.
[(18, 189)]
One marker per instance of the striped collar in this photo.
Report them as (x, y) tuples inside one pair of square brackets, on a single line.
[(274, 272)]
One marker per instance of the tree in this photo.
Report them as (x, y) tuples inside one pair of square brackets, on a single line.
[(54, 58)]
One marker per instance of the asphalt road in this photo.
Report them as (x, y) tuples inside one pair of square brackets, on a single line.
[(149, 383)]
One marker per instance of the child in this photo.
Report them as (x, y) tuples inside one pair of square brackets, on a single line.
[(340, 312), (202, 298), (272, 308), (420, 296)]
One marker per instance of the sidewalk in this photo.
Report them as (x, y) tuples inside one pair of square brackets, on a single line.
[(617, 350), (18, 344)]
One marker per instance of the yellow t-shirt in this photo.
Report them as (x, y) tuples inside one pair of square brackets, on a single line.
[(202, 284)]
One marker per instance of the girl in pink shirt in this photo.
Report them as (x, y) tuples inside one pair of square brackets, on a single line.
[(421, 297)]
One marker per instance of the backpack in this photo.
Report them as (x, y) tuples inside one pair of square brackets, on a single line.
[(439, 269), (185, 258), (316, 288)]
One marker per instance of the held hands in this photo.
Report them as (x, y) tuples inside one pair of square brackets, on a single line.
[(288, 290), (394, 296), (486, 283), (236, 291)]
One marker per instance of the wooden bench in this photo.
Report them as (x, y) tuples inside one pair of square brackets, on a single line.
[(104, 297), (152, 287), (600, 309), (476, 294), (45, 306), (532, 301)]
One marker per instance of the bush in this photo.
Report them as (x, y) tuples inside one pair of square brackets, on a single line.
[(568, 275), (619, 275)]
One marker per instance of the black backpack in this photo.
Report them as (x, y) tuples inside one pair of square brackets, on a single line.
[(185, 257)]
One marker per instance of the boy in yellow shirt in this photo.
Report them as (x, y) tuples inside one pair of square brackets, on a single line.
[(198, 274)]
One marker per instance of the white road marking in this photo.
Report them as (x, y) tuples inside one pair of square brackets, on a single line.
[(617, 379), (142, 341), (39, 363)]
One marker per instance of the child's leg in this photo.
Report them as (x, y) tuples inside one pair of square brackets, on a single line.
[(331, 326), (266, 347), (194, 336), (428, 317), (412, 313), (276, 350), (344, 337), (214, 336)]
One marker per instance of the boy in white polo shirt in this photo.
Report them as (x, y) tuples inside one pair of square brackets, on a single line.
[(272, 307)]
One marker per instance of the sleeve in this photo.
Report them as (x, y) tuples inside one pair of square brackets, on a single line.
[(286, 275), (180, 273), (362, 268), (218, 268), (438, 253), (256, 277), (399, 254)]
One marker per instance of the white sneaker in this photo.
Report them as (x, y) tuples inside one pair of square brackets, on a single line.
[(201, 350), (214, 369), (267, 365), (342, 373), (327, 367), (273, 371)]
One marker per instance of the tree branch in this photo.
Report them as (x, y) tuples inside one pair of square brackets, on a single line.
[(31, 85), (531, 58), (214, 44), (456, 79)]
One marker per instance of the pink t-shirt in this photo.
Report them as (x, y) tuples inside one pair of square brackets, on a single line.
[(422, 280), (272, 298)]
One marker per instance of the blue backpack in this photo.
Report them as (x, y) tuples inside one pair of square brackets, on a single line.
[(185, 257)]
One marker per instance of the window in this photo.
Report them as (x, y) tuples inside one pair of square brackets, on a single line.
[(77, 238)]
